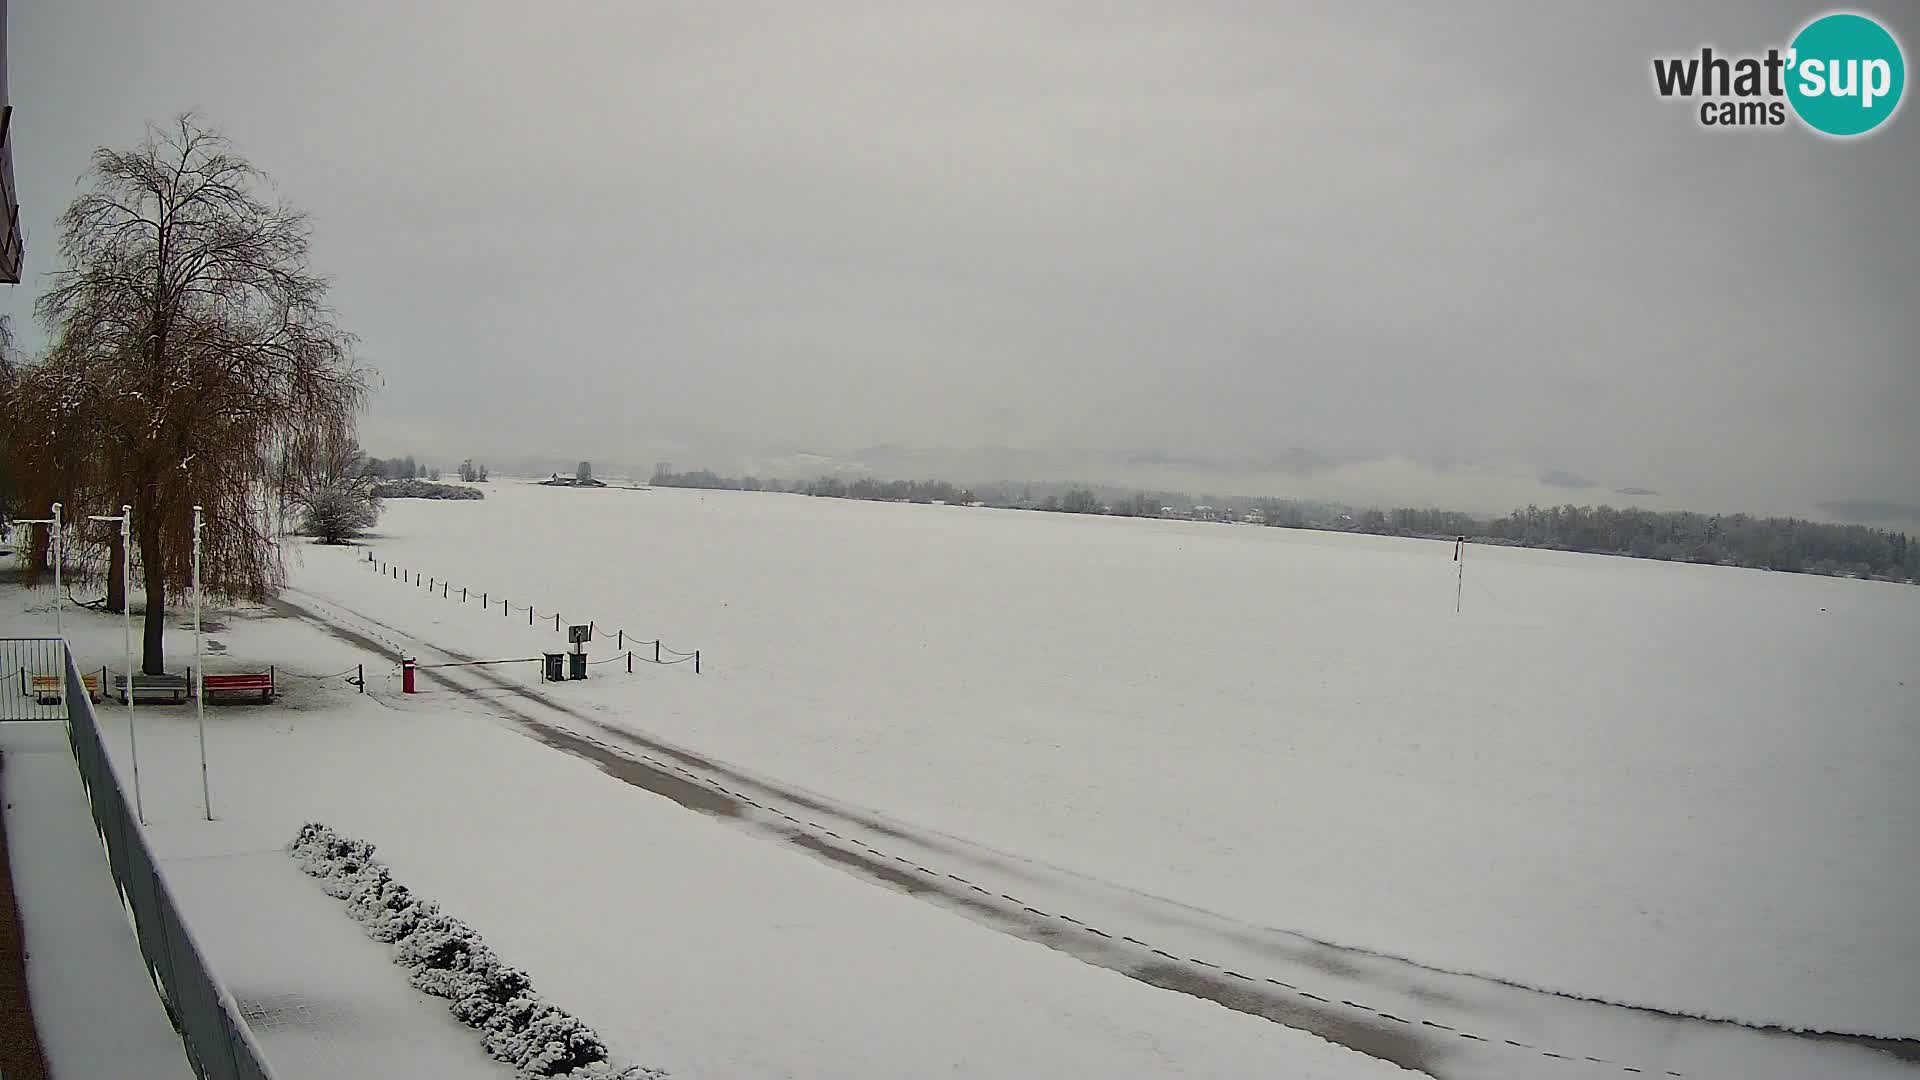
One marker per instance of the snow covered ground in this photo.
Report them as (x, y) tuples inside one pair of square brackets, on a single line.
[(686, 944), (1679, 787), (1682, 787)]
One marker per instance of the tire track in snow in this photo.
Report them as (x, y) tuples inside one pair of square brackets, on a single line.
[(1347, 1022)]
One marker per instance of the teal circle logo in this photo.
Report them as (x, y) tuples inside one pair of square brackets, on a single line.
[(1845, 73)]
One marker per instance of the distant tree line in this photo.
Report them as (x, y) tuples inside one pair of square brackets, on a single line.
[(828, 487), (1769, 543), (399, 468)]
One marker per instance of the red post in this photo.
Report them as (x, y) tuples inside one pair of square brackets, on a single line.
[(406, 675)]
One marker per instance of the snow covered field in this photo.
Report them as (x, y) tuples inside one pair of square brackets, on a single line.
[(1676, 786), (1680, 787), (684, 943)]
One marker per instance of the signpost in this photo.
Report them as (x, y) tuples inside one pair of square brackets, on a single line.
[(578, 636)]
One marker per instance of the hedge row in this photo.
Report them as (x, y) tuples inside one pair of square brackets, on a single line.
[(446, 958)]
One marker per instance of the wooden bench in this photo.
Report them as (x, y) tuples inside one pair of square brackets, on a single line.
[(52, 689), (171, 689), (258, 682)]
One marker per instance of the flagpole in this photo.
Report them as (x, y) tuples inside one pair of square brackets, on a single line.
[(59, 625), (125, 518), (199, 676)]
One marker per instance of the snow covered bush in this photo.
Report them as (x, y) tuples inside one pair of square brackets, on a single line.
[(446, 958)]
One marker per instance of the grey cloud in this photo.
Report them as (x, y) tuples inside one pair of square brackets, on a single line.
[(1430, 251)]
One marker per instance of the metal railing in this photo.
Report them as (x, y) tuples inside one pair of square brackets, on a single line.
[(33, 683), (218, 1043)]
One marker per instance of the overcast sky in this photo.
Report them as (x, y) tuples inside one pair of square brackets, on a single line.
[(1465, 235)]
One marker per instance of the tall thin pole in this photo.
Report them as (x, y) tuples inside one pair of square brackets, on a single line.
[(126, 633), (199, 676), (1459, 571), (59, 625), (53, 541), (126, 636)]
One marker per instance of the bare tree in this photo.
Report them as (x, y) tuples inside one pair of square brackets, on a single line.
[(213, 367), (334, 494)]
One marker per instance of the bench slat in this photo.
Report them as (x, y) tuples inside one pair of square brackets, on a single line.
[(243, 682)]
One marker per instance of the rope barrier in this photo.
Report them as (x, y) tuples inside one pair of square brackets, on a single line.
[(506, 608), (302, 675)]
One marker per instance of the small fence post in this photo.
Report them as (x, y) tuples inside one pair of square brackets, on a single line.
[(656, 650), (620, 640), (696, 661), (629, 661), (443, 590), (362, 668), (556, 620), (463, 594), (529, 614)]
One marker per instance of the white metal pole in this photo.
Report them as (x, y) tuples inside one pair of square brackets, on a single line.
[(125, 519), (1460, 571), (59, 624), (126, 631), (53, 541), (199, 677)]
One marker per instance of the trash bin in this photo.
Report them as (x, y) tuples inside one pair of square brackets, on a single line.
[(576, 665), (554, 672)]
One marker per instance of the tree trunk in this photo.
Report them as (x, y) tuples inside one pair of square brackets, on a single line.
[(39, 552), (153, 660), (116, 575)]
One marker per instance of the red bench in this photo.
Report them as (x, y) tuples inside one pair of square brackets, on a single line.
[(259, 682)]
